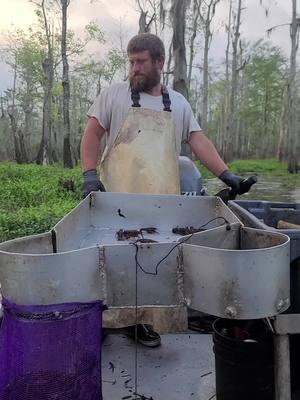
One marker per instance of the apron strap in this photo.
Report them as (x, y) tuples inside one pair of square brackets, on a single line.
[(166, 98), (135, 97)]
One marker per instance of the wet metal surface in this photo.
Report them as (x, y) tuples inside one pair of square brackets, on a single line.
[(182, 368), (108, 236), (112, 212)]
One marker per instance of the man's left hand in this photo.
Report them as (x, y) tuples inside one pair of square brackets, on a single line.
[(233, 181)]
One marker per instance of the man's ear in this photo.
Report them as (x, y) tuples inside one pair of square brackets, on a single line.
[(161, 61)]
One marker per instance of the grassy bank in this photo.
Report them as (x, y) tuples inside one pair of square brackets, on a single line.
[(265, 167), (33, 198)]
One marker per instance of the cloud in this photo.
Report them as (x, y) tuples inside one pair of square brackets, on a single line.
[(17, 12), (113, 16), (254, 24), (119, 21)]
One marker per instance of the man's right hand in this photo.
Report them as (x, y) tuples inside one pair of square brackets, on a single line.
[(91, 182)]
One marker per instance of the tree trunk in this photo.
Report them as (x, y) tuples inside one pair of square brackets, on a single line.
[(19, 146), (196, 15), (144, 26), (169, 63), (238, 138), (28, 128), (45, 152), (231, 117), (223, 141), (179, 51), (18, 156), (205, 79), (292, 156), (178, 13), (211, 8), (281, 148), (28, 107), (67, 152)]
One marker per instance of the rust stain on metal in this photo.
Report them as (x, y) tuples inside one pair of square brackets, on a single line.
[(187, 230), (145, 240), (123, 234), (230, 298)]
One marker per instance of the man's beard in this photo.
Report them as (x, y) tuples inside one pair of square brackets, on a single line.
[(143, 83)]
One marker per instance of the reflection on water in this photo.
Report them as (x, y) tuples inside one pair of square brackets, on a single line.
[(268, 188)]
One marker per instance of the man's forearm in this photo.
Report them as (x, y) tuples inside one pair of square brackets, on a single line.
[(206, 152), (89, 152), (90, 145)]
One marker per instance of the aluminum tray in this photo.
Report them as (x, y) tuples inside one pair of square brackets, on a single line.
[(227, 270)]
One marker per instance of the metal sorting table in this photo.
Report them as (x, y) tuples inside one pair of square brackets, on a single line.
[(228, 270)]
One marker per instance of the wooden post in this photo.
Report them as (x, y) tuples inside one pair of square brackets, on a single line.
[(282, 367)]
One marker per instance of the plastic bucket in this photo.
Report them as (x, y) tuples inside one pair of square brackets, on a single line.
[(244, 364)]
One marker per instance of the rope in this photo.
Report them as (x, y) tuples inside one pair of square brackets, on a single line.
[(138, 265), (135, 244)]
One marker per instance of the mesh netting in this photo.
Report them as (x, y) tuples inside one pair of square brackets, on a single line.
[(51, 352)]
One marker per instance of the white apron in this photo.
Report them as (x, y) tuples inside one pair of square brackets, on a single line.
[(143, 158)]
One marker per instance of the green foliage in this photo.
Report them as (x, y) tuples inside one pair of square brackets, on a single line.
[(247, 167), (29, 57), (32, 220), (117, 59), (266, 167), (33, 198), (94, 32), (273, 167), (25, 53), (103, 72), (260, 107), (258, 113)]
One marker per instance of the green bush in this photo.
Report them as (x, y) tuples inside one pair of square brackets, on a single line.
[(32, 220), (33, 198), (273, 167)]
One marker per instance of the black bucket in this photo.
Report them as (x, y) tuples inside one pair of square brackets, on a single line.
[(244, 360)]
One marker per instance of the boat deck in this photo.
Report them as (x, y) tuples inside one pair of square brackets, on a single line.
[(182, 368)]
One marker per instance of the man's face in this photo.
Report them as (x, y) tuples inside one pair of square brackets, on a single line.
[(144, 73)]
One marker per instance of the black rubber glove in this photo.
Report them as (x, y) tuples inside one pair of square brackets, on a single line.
[(233, 181), (91, 182)]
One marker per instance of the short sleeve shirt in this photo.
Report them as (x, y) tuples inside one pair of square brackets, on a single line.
[(111, 107)]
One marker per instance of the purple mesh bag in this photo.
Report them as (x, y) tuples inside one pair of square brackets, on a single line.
[(51, 352)]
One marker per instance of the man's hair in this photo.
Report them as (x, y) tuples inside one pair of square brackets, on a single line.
[(147, 41)]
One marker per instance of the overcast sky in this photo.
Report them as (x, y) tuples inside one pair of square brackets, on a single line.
[(111, 14)]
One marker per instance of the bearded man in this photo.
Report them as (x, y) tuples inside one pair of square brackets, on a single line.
[(144, 124)]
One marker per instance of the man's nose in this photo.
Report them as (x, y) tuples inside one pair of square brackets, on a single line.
[(135, 67)]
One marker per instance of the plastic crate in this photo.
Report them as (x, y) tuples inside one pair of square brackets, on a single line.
[(265, 215)]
